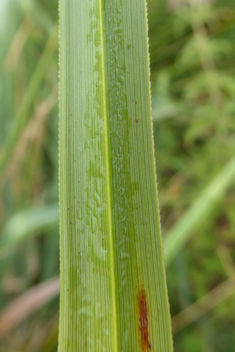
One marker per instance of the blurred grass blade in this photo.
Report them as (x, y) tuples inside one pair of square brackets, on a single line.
[(9, 23), (198, 211), (36, 11), (29, 302), (203, 305), (23, 223), (23, 115), (113, 287)]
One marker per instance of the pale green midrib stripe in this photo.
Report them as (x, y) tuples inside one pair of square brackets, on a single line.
[(108, 171)]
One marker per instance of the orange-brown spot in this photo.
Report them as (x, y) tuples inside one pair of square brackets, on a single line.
[(143, 320)]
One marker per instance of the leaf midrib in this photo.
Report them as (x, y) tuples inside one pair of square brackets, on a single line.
[(108, 174)]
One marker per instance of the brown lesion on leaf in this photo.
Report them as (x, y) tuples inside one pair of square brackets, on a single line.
[(143, 321)]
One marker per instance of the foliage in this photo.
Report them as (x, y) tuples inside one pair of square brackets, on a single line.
[(192, 71)]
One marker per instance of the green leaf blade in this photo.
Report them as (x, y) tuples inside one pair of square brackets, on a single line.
[(113, 294)]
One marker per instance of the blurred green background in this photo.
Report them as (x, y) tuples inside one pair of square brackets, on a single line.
[(192, 56)]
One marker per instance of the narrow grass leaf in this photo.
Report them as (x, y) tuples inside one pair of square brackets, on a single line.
[(203, 305), (22, 224), (28, 303), (185, 227), (23, 115), (113, 287)]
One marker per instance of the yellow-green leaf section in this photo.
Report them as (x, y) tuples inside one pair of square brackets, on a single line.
[(113, 286)]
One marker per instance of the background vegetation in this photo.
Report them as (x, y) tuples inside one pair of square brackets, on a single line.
[(193, 87)]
